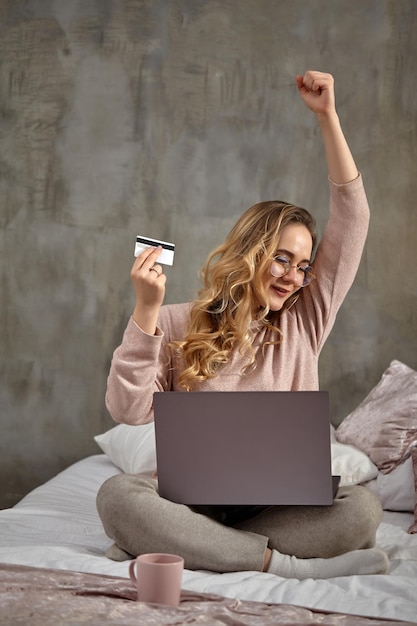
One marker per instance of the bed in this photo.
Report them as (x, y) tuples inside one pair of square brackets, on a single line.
[(55, 538)]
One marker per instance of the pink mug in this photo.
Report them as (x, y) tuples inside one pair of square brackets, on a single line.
[(158, 577)]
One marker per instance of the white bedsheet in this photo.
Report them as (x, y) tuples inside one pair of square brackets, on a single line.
[(57, 526)]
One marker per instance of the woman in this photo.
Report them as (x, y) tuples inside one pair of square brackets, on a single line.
[(259, 323)]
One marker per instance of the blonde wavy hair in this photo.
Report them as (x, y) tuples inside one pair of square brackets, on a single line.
[(233, 293)]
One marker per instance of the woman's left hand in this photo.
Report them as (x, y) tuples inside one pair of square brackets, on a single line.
[(317, 91)]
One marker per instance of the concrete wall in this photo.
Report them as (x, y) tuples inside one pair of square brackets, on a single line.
[(169, 118)]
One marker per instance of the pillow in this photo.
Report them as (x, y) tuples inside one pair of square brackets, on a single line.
[(130, 448), (396, 489), (352, 465), (413, 528), (384, 425)]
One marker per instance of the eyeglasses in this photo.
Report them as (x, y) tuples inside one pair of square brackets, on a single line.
[(281, 265)]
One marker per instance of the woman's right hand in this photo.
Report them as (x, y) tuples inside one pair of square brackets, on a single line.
[(149, 282)]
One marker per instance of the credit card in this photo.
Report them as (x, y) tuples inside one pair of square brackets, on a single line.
[(168, 249)]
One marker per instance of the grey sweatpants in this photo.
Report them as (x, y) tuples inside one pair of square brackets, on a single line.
[(138, 520)]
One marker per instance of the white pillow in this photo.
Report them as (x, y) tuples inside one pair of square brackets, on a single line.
[(130, 448), (396, 489), (352, 465)]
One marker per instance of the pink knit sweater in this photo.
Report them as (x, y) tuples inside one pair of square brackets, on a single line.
[(140, 364)]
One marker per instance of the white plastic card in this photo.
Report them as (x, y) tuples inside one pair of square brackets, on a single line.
[(167, 255)]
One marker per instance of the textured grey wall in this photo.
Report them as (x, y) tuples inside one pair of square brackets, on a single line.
[(170, 118)]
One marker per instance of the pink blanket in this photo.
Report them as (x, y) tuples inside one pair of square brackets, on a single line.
[(42, 597)]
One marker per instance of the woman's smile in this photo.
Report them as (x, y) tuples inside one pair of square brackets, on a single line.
[(296, 244)]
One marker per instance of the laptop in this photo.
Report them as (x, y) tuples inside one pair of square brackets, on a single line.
[(244, 448)]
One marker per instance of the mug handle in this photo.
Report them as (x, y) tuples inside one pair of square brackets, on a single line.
[(132, 571)]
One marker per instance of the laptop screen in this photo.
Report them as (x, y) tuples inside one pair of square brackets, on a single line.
[(257, 448)]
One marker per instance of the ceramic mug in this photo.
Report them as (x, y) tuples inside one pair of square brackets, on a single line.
[(158, 577)]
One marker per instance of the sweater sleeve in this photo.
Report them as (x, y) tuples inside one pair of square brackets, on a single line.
[(337, 259), (143, 365), (134, 376)]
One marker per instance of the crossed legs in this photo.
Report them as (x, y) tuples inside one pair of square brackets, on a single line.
[(138, 520)]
